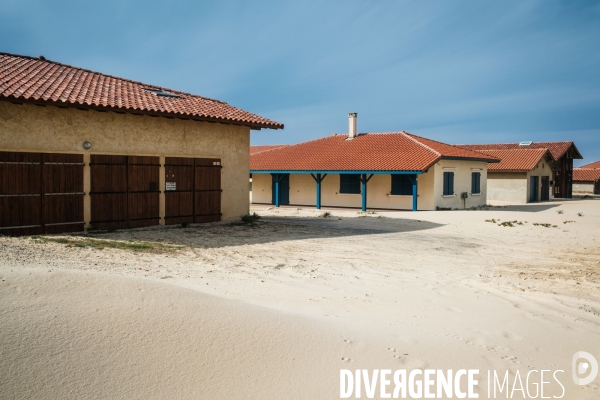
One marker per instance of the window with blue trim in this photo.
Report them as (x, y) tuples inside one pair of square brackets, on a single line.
[(402, 185), (350, 183), (448, 183), (476, 183)]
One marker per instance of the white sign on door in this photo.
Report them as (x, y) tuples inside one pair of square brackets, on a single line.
[(171, 186)]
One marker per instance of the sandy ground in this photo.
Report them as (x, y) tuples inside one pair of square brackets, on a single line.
[(275, 310)]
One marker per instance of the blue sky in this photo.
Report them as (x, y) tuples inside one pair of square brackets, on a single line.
[(455, 71)]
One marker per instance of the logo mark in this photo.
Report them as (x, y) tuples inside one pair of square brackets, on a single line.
[(580, 367)]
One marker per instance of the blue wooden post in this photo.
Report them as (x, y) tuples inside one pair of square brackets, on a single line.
[(276, 177), (363, 190), (414, 193), (319, 178), (318, 191)]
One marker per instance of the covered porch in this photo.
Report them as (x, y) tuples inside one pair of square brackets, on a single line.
[(280, 183)]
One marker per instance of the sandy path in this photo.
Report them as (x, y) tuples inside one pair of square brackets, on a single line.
[(410, 290)]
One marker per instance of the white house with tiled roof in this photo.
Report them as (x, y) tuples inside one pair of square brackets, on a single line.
[(395, 170)]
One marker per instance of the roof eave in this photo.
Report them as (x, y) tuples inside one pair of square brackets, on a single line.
[(509, 170), (488, 160), (135, 111), (326, 171), (578, 156)]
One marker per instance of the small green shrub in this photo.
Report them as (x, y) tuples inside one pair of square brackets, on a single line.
[(560, 211), (580, 214), (250, 218), (510, 223), (326, 214)]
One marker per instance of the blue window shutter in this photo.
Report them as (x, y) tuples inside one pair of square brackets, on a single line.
[(445, 184), (476, 182), (401, 185), (350, 183), (448, 183)]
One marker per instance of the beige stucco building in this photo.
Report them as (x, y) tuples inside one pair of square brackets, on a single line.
[(302, 189), (164, 129), (586, 180), (396, 170), (522, 176)]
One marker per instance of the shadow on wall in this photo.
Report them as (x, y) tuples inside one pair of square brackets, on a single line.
[(269, 230)]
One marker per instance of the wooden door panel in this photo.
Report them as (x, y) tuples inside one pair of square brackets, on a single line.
[(18, 211), (20, 179), (64, 208), (181, 175), (108, 178), (143, 178), (208, 203), (208, 178), (63, 178), (108, 207), (179, 204), (143, 205)]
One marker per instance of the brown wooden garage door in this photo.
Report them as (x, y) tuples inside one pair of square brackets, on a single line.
[(193, 190), (40, 193), (124, 191)]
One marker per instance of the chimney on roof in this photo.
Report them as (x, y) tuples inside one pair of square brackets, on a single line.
[(352, 125)]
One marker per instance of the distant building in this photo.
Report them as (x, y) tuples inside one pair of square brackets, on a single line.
[(519, 178), (259, 149), (562, 153), (522, 175), (587, 180), (594, 165), (394, 170)]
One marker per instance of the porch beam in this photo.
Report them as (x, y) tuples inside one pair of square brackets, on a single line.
[(318, 179), (364, 180)]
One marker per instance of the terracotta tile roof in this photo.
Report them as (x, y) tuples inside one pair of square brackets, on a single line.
[(592, 165), (516, 160), (259, 149), (586, 174), (37, 80), (396, 151), (557, 149)]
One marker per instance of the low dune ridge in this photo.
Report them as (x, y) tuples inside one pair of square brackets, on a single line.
[(275, 309)]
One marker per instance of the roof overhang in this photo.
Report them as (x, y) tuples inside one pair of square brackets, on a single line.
[(577, 154), (133, 111), (264, 171), (488, 160)]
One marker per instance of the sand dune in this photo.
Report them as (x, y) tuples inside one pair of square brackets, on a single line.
[(276, 310)]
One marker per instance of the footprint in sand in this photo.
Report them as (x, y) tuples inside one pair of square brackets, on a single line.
[(511, 358), (344, 359), (394, 350), (493, 349)]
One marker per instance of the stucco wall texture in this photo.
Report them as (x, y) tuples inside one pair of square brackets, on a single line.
[(514, 187), (430, 189), (50, 129), (583, 187)]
